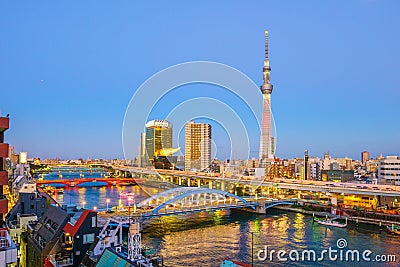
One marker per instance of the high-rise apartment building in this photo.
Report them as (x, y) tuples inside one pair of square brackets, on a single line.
[(389, 170), (306, 169), (197, 146), (315, 172), (4, 124), (158, 137), (365, 156), (142, 151), (325, 163)]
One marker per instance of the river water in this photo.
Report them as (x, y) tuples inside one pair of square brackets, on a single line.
[(208, 238)]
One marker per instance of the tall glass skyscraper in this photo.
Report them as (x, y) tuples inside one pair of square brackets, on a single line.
[(158, 137)]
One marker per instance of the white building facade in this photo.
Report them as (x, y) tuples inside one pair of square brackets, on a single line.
[(389, 170)]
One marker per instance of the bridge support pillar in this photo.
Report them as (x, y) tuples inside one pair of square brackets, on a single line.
[(198, 182), (210, 184), (180, 180), (260, 209), (334, 200), (223, 186), (188, 182)]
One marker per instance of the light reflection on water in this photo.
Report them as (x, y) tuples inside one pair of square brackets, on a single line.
[(207, 238), (97, 196), (196, 241)]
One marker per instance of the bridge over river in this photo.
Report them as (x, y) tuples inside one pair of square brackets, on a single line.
[(78, 181), (184, 200), (224, 183)]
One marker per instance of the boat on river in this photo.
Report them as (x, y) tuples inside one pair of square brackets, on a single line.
[(330, 222), (126, 194), (394, 229)]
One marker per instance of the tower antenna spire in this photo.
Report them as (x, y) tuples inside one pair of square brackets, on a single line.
[(266, 45)]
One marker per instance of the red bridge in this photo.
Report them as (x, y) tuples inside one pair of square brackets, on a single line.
[(77, 181)]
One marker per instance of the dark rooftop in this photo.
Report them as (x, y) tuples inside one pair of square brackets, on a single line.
[(52, 221)]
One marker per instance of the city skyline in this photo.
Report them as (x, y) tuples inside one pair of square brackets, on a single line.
[(67, 82)]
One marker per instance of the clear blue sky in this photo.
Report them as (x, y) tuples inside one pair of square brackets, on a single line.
[(68, 69)]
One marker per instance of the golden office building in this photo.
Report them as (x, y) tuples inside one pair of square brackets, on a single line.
[(197, 146), (158, 136)]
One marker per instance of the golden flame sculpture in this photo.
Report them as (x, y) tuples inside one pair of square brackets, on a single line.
[(166, 151)]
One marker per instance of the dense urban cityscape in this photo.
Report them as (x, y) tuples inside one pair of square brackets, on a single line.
[(184, 206)]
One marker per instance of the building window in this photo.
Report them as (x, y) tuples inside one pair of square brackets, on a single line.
[(94, 223), (89, 238), (32, 207)]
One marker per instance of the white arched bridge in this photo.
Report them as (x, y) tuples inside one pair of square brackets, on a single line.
[(194, 199)]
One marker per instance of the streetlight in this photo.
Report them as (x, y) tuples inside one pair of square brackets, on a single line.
[(107, 201), (83, 204), (129, 208), (95, 208)]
